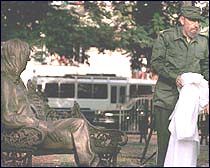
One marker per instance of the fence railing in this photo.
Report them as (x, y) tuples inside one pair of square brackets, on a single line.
[(136, 117)]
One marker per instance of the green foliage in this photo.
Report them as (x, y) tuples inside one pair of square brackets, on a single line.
[(19, 18), (39, 56), (135, 28), (130, 25), (157, 24), (57, 28)]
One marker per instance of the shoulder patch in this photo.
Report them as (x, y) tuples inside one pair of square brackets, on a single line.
[(164, 31), (203, 35)]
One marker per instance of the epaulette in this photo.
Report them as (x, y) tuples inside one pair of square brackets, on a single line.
[(164, 31), (203, 35)]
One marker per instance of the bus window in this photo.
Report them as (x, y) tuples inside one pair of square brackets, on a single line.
[(67, 90), (51, 89), (133, 91), (100, 91), (84, 90), (139, 90), (113, 94), (144, 90), (122, 94)]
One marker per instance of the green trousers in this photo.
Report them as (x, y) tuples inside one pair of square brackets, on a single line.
[(163, 134)]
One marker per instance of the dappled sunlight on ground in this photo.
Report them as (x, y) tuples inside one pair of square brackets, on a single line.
[(129, 155)]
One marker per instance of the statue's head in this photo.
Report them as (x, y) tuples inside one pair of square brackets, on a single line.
[(14, 56)]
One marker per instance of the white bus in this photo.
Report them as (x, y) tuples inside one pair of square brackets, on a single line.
[(92, 91)]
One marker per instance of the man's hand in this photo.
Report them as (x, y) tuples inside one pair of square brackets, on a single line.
[(179, 81)]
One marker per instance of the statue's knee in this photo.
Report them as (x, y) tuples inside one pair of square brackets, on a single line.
[(81, 121)]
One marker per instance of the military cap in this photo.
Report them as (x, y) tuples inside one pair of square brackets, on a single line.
[(192, 12)]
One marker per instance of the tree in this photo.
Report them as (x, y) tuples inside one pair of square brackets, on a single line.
[(136, 32), (71, 29), (20, 18), (64, 31)]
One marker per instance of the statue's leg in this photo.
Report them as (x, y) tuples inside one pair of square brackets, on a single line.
[(72, 133), (81, 140)]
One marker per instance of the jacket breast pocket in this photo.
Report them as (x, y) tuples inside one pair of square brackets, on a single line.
[(174, 59), (200, 53)]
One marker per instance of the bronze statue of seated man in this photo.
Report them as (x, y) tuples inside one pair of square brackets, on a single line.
[(68, 133)]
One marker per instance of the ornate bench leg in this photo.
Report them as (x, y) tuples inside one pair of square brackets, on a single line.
[(16, 159), (114, 162), (108, 159), (29, 163)]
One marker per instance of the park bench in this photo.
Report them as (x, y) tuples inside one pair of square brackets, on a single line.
[(18, 146)]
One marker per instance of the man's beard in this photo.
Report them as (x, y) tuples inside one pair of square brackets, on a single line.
[(192, 34)]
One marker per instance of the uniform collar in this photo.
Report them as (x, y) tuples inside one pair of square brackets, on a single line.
[(178, 34)]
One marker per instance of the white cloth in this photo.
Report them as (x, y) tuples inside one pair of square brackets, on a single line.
[(183, 147)]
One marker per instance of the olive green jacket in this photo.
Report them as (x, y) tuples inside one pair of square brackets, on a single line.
[(172, 56)]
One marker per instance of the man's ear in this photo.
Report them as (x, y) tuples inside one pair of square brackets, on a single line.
[(181, 20)]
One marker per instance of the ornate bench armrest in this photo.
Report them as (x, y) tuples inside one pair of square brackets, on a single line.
[(21, 138), (107, 137), (102, 137), (72, 113)]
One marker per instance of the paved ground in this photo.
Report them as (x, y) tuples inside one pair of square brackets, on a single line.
[(129, 156)]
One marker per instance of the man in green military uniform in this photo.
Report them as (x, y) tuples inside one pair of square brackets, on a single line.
[(177, 50)]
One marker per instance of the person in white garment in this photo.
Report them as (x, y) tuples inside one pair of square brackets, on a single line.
[(183, 148)]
